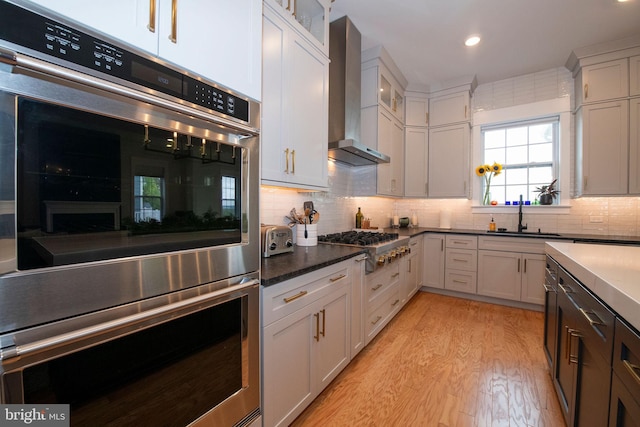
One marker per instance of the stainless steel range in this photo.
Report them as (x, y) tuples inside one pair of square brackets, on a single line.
[(383, 248)]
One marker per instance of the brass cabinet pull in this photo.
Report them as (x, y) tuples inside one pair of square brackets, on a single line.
[(295, 297), (525, 266), (335, 279), (633, 370), (286, 161), (293, 161), (324, 315), (426, 118), (376, 287), (518, 265), (174, 21), (586, 90), (152, 16), (393, 276), (588, 315), (377, 320), (317, 335), (410, 265), (465, 111), (460, 260), (547, 288), (441, 245), (295, 8), (394, 104), (288, 4), (459, 281), (395, 303)]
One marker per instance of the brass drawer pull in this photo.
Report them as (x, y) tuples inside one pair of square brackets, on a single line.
[(317, 335), (633, 370), (295, 297), (377, 320), (174, 21), (395, 303), (152, 16), (335, 279), (395, 275), (376, 287)]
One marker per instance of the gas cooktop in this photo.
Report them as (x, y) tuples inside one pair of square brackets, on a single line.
[(358, 238)]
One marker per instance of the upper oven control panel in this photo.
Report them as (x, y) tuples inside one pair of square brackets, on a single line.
[(24, 28)]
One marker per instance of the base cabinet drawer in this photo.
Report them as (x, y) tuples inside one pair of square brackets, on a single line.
[(461, 281), (382, 312)]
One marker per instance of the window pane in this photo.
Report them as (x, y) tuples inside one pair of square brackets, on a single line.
[(541, 133), (540, 176), (539, 153), (517, 155), (514, 192), (516, 136), (494, 139), (516, 176), (494, 155)]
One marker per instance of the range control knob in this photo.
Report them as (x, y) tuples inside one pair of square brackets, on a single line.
[(381, 260), (289, 243), (273, 246)]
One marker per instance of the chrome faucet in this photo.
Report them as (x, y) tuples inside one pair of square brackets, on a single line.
[(521, 227)]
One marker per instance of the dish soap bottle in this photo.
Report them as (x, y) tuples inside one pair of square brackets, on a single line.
[(492, 225), (359, 217)]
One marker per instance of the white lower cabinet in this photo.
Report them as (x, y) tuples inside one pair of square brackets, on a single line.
[(434, 260), (382, 298), (306, 339), (412, 265), (506, 271), (461, 261)]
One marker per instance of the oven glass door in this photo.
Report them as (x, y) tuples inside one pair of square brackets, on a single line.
[(170, 374), (91, 187)]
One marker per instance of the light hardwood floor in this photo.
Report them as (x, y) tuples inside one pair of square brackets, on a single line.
[(447, 362)]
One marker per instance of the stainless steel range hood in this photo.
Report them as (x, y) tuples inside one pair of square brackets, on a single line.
[(344, 97)]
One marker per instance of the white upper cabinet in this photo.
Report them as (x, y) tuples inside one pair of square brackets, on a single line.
[(449, 161), (309, 17), (416, 111), (634, 146), (634, 76), (604, 81), (294, 108), (187, 34), (416, 161), (450, 108)]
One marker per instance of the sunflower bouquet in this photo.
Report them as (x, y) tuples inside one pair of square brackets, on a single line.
[(488, 172)]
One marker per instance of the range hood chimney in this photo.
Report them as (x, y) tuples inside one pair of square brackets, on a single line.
[(344, 97)]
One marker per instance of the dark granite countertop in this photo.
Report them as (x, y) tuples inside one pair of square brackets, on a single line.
[(303, 259), (579, 238)]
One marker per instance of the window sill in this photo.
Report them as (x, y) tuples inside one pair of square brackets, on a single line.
[(530, 209)]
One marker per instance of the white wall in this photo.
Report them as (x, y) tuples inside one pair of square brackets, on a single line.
[(599, 216)]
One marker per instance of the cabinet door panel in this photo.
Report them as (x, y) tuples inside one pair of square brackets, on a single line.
[(449, 161), (273, 132), (592, 398), (417, 110), (564, 373), (499, 274), (288, 384), (624, 409), (608, 80), (434, 261), (605, 148), (449, 109), (634, 75), (634, 145), (333, 344), (416, 162), (533, 269)]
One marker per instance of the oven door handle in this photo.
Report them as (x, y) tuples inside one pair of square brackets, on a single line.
[(134, 322)]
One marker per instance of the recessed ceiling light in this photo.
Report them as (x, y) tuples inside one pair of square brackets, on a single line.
[(472, 41)]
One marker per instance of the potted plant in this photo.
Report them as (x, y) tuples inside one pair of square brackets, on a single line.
[(547, 193)]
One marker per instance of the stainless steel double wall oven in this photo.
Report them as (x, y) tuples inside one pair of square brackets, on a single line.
[(129, 232)]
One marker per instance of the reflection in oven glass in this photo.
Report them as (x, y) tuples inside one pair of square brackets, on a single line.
[(94, 188), (167, 375)]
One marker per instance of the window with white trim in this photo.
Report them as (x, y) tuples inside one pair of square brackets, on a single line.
[(528, 152)]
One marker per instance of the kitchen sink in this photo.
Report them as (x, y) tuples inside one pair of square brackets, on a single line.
[(523, 233)]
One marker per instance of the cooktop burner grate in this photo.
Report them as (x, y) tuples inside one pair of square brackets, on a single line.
[(360, 238)]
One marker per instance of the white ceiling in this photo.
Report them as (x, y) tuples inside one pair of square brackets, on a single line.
[(425, 38)]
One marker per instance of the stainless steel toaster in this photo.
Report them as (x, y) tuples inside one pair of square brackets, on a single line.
[(276, 239)]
